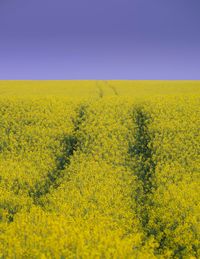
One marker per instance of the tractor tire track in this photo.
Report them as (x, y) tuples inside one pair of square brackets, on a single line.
[(69, 144), (112, 87)]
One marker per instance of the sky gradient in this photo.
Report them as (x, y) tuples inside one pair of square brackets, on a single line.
[(107, 39)]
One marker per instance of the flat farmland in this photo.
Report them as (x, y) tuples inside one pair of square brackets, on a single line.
[(99, 169)]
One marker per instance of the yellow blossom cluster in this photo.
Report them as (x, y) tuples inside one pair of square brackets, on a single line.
[(174, 203), (101, 176)]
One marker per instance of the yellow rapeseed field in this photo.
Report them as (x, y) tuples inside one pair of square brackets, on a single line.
[(99, 169)]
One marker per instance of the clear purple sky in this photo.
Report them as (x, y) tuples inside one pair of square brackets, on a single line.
[(104, 39)]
